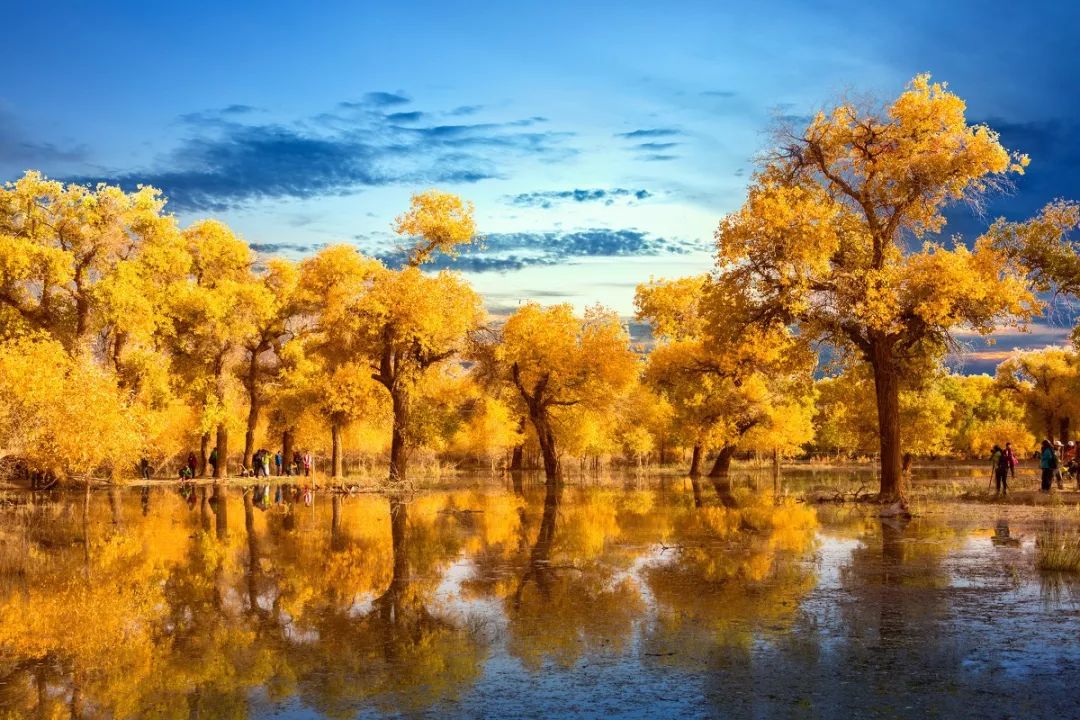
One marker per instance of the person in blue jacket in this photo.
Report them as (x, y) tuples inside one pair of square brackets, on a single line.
[(1048, 463)]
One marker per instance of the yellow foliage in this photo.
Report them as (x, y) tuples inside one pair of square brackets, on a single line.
[(61, 413), (1047, 384), (439, 221)]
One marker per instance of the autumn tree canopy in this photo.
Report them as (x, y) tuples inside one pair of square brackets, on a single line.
[(558, 361), (824, 239)]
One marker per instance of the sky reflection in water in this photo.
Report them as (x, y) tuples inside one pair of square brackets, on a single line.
[(626, 599)]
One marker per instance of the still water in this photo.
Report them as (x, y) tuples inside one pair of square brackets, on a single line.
[(623, 599)]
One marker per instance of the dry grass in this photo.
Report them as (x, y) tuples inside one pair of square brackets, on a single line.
[(1058, 551)]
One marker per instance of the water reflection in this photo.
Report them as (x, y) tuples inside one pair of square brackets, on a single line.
[(675, 598)]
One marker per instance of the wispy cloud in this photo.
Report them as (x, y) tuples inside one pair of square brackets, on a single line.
[(413, 116), (649, 133), (226, 163), (657, 145), (237, 109), (276, 248), (377, 99), (513, 251), (549, 198), (466, 110)]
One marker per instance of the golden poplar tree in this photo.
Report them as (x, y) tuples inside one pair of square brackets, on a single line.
[(823, 239), (556, 361)]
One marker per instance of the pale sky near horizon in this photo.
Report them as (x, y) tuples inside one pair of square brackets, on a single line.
[(600, 142)]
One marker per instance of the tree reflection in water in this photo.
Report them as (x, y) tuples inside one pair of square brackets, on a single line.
[(721, 595), (732, 570)]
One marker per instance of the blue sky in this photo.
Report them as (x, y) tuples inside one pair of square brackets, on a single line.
[(601, 142)]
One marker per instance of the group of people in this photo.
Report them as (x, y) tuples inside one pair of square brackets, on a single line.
[(301, 464), (1057, 459)]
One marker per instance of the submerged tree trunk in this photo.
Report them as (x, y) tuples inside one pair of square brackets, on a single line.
[(286, 449), (887, 390), (222, 469), (399, 451), (336, 460), (695, 462), (722, 464)]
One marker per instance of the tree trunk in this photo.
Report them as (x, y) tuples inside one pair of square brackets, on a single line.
[(222, 469), (1063, 429), (722, 464), (887, 390), (82, 315), (548, 447), (336, 461), (695, 462), (399, 451), (204, 454), (518, 458), (286, 449), (117, 350), (253, 410)]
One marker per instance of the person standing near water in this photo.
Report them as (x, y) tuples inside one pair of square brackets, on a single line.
[(1010, 459), (277, 463), (1047, 464), (1001, 473), (995, 460), (213, 461), (1059, 452)]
